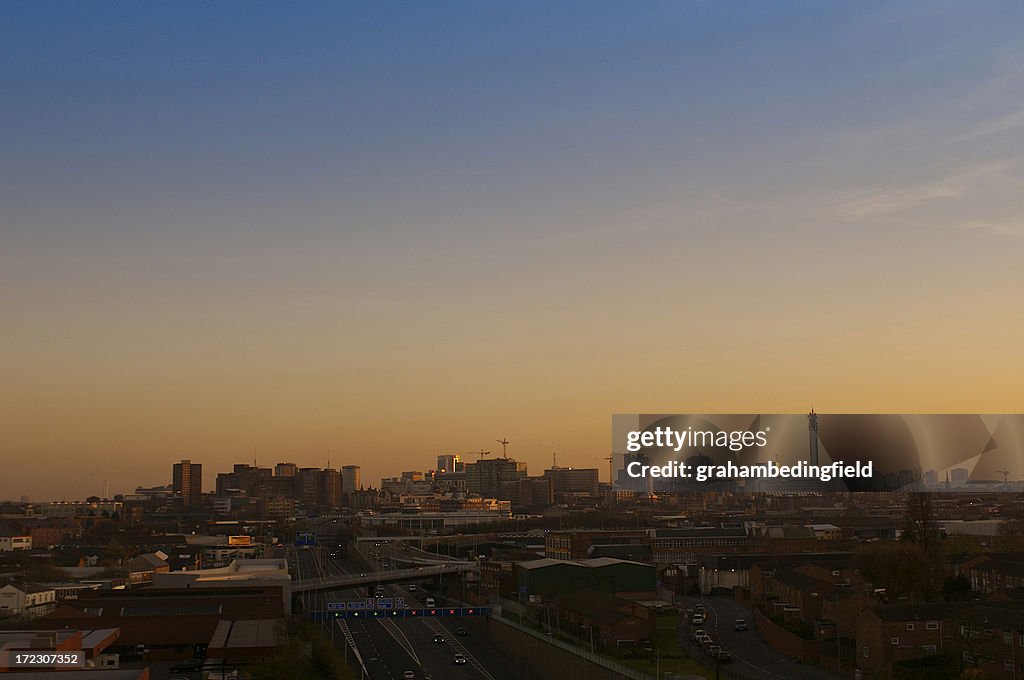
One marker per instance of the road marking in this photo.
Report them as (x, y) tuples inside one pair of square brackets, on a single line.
[(438, 629), (394, 631)]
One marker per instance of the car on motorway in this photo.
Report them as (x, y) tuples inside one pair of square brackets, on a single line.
[(438, 639), (724, 656), (430, 603), (409, 675), (740, 625), (188, 666), (459, 659), (412, 587), (461, 632)]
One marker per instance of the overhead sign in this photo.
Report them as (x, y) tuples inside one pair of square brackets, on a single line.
[(336, 612)]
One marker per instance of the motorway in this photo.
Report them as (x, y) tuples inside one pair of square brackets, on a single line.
[(390, 647)]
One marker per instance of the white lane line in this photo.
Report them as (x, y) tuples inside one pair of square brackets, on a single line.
[(395, 632), (438, 629)]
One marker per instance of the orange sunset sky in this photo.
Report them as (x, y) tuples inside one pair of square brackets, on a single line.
[(382, 235)]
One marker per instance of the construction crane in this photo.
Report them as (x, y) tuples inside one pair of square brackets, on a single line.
[(611, 468), (504, 447), (1006, 475), (480, 453)]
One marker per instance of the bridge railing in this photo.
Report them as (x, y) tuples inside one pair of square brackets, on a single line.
[(345, 581)]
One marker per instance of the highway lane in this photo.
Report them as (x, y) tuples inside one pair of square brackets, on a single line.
[(391, 646), (752, 656)]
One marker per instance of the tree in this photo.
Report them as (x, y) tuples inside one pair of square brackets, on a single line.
[(921, 528), (900, 568)]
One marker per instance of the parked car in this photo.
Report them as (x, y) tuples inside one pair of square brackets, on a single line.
[(409, 675), (740, 625), (724, 656), (698, 619)]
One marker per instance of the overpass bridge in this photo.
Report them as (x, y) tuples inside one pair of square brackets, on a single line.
[(373, 577)]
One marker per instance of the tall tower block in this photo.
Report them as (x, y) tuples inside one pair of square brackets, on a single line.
[(812, 436)]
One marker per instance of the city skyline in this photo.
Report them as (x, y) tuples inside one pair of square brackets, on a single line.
[(392, 233)]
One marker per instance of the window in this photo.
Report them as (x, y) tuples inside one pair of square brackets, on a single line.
[(932, 625), (895, 641), (1007, 665), (928, 649), (910, 626), (1008, 638), (866, 652)]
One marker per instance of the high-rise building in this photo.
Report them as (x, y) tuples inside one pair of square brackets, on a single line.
[(329, 489), (496, 478), (306, 487), (573, 480), (242, 479), (187, 482), (285, 469), (350, 482), (449, 462)]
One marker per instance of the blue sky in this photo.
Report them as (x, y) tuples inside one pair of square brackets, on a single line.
[(310, 216)]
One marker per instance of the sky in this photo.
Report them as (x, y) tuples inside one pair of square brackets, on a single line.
[(377, 232)]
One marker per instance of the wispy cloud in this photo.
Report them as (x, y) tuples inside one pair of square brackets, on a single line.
[(886, 201), (1010, 121), (1011, 227), (889, 202)]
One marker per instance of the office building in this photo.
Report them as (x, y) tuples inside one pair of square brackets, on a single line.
[(187, 482), (350, 481)]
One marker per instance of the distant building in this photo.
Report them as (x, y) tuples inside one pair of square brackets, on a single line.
[(13, 537), (243, 478), (536, 492), (285, 469), (350, 481), (188, 482), (330, 489), (142, 568), (496, 478), (448, 462), (573, 480)]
